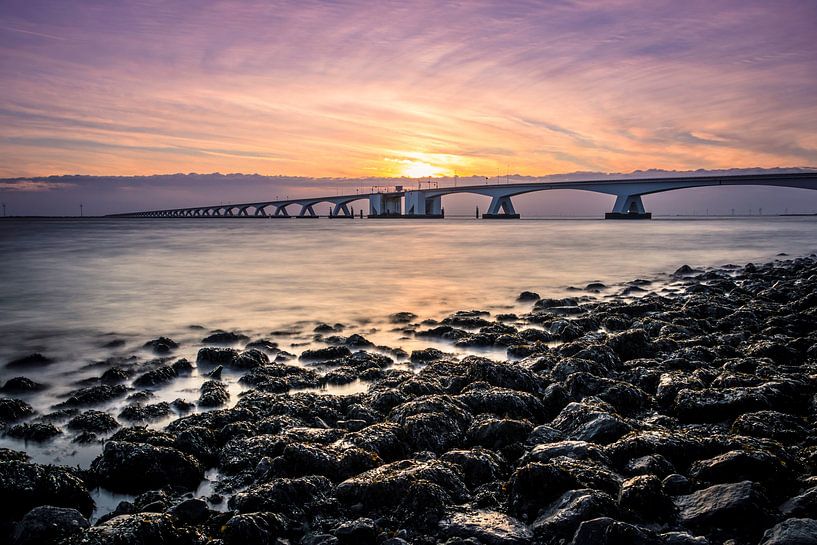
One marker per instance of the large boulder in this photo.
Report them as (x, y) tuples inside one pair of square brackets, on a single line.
[(738, 506), (48, 525), (487, 527), (32, 485), (792, 532), (137, 529), (137, 467)]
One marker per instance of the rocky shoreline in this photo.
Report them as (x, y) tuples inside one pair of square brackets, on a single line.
[(678, 418)]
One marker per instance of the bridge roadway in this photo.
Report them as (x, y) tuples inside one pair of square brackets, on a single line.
[(427, 203)]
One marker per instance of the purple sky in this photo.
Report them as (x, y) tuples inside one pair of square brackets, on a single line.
[(374, 89)]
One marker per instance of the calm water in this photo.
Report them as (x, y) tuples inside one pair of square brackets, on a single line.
[(68, 287)]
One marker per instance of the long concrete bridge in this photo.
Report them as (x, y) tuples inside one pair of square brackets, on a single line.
[(427, 203)]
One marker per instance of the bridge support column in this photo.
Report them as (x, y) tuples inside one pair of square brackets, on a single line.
[(501, 208), (420, 205), (341, 210), (281, 212), (307, 211), (628, 207), (386, 205)]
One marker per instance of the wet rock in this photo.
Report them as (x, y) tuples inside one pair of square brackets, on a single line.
[(590, 421), (606, 531), (325, 354), (32, 485), (21, 385), (300, 498), (94, 395), (743, 465), (632, 344), (803, 505), (137, 529), (191, 511), (558, 522), (487, 527), (215, 356), (652, 464), (182, 366), (9, 455), (48, 525), (526, 296), (740, 505), (155, 377), (402, 317), (386, 485), (114, 375), (434, 423), (225, 337), (37, 431), (686, 270), (770, 425), (257, 528), (496, 433), (794, 531), (481, 398), (13, 409), (427, 354), (362, 531), (249, 359), (162, 345), (136, 467), (645, 498), (143, 413), (478, 466), (213, 394), (30, 361), (467, 318), (578, 450)]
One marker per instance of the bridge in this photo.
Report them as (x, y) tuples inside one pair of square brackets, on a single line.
[(427, 203)]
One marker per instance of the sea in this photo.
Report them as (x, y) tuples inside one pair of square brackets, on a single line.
[(69, 287)]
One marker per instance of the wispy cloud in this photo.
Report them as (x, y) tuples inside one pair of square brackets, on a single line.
[(358, 87)]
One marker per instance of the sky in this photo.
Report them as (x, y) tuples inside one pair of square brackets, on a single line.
[(352, 90)]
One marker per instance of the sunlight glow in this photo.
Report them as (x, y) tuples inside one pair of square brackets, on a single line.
[(419, 169)]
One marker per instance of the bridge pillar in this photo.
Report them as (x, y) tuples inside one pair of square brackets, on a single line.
[(260, 211), (501, 208), (628, 207), (420, 205), (307, 211), (385, 205), (341, 210), (281, 212)]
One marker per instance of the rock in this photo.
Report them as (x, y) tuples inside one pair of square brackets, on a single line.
[(190, 511), (434, 423), (496, 433), (362, 531), (13, 409), (645, 498), (606, 531), (478, 466), (589, 421), (770, 425), (794, 531), (182, 366), (743, 465), (137, 467), (155, 377), (94, 395), (803, 505), (143, 413), (249, 359), (213, 394), (427, 354), (114, 375), (32, 485), (488, 527), (162, 345), (740, 505), (557, 523), (32, 360), (632, 344), (48, 525), (526, 296), (21, 385), (386, 485), (325, 354), (685, 270), (37, 431), (225, 337), (137, 529), (402, 317), (256, 528), (215, 356), (300, 498)]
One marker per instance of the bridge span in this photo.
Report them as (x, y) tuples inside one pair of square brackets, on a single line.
[(427, 203)]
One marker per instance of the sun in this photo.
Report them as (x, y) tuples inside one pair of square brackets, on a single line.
[(419, 169)]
